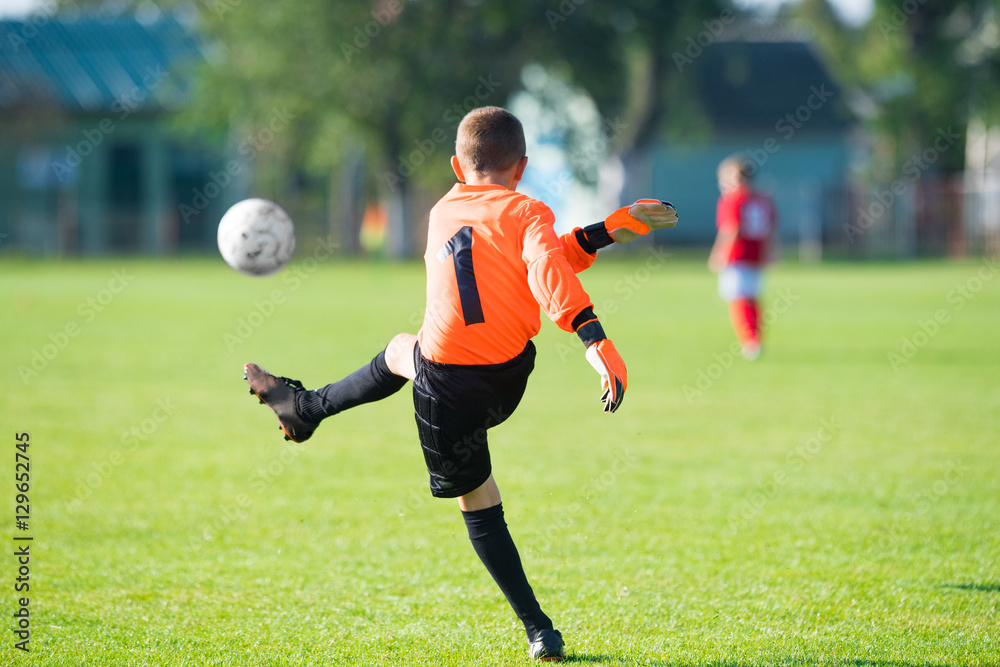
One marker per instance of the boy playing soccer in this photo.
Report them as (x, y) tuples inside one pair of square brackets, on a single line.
[(492, 259), (745, 244)]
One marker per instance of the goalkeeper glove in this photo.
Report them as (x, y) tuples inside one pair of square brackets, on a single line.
[(630, 222), (603, 356), (605, 359)]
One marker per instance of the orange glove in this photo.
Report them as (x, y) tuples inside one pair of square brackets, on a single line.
[(630, 222), (605, 359)]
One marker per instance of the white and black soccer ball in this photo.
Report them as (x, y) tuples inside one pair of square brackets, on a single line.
[(256, 237)]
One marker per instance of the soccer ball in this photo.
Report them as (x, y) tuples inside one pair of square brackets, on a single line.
[(256, 237)]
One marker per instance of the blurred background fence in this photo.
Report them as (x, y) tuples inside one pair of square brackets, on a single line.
[(947, 216)]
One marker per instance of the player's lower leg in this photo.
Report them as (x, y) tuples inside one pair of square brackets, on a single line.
[(745, 315), (300, 411), (493, 544), (371, 382)]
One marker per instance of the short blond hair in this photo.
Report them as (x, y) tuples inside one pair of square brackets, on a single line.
[(738, 168), (489, 139)]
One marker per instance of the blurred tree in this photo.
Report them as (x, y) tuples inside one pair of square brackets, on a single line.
[(398, 76), (927, 65), (313, 84), (629, 58), (394, 77)]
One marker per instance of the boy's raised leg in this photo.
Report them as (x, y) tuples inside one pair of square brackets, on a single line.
[(371, 382), (300, 411)]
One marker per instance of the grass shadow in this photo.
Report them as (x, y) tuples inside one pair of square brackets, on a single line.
[(977, 588), (776, 662), (892, 663), (584, 659)]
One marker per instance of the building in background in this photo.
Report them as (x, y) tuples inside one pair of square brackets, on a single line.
[(774, 100), (88, 164)]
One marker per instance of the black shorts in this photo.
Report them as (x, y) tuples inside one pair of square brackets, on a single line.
[(454, 406)]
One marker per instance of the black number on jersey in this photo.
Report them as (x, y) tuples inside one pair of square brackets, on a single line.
[(459, 246)]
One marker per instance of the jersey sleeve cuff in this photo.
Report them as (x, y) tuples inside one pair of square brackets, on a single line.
[(593, 237), (588, 327)]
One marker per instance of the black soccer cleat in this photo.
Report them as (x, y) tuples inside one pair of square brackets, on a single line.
[(548, 646), (278, 393)]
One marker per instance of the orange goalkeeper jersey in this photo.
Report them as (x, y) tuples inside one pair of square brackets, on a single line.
[(492, 259)]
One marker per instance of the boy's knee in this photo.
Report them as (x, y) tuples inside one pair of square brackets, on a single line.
[(399, 355)]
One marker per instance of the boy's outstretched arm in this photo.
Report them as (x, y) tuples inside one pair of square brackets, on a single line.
[(626, 224), (559, 292)]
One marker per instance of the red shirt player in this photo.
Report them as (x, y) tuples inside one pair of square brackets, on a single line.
[(745, 244)]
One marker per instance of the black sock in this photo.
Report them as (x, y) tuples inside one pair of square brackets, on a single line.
[(369, 383), (493, 544)]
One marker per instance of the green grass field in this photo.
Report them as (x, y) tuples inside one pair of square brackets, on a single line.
[(835, 503)]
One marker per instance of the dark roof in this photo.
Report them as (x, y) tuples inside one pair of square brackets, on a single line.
[(753, 85), (94, 64)]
